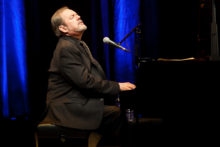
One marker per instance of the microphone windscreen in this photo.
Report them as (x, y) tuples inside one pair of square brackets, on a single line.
[(106, 40)]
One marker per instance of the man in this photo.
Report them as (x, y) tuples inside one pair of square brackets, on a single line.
[(77, 86)]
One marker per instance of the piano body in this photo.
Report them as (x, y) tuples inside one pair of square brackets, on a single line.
[(183, 91)]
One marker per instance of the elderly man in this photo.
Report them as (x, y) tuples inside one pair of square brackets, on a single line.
[(77, 85)]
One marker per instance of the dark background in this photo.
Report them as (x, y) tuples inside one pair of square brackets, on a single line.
[(183, 94)]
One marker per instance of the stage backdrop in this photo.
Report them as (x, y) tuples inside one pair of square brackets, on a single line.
[(13, 72)]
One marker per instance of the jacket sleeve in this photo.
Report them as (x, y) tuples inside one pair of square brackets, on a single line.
[(73, 69)]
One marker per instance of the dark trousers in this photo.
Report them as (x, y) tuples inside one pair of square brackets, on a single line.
[(112, 128), (113, 125)]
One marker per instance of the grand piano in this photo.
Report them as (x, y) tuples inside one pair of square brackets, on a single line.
[(175, 90)]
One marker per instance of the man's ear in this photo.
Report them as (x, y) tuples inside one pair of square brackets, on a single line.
[(63, 28)]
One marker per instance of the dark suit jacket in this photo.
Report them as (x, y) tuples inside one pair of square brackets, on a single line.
[(77, 87)]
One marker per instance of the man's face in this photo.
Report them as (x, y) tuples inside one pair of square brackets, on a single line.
[(73, 22)]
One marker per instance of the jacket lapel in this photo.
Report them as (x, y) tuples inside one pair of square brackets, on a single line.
[(94, 62)]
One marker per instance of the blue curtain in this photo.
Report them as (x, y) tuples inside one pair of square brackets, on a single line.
[(126, 17), (13, 70), (105, 30)]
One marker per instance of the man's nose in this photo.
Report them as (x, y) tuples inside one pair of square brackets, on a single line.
[(78, 17)]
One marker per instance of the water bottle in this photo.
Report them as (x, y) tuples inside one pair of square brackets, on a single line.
[(130, 115), (117, 102)]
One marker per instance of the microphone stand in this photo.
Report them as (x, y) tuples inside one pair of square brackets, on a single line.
[(134, 29), (137, 30)]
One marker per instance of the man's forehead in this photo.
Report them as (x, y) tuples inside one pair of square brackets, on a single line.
[(68, 12)]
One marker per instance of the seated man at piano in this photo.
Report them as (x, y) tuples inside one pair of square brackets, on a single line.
[(77, 85)]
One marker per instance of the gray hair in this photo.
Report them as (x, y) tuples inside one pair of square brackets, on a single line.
[(56, 21)]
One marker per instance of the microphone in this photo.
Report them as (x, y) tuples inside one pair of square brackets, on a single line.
[(108, 41)]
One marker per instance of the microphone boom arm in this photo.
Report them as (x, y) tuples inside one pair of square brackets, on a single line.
[(129, 34)]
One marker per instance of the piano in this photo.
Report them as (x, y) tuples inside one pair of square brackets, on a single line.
[(184, 91)]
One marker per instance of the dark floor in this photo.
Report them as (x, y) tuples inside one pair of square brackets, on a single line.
[(146, 132)]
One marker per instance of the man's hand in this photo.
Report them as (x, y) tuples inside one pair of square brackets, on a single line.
[(126, 86)]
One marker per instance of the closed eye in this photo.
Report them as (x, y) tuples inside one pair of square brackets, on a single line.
[(71, 17)]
